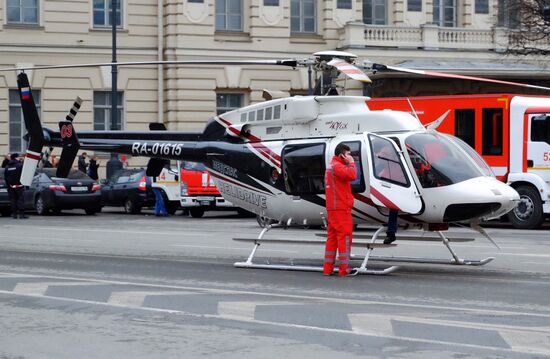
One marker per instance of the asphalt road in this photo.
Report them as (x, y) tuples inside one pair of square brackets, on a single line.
[(137, 286)]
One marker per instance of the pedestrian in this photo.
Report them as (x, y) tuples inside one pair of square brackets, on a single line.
[(82, 165), (387, 167), (339, 201), (7, 158), (160, 208), (124, 161), (92, 168), (16, 191)]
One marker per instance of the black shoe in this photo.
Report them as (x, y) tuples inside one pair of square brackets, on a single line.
[(390, 237), (23, 216)]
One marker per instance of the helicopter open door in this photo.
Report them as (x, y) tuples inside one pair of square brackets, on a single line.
[(391, 182)]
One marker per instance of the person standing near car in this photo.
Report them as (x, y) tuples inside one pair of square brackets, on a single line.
[(92, 168), (160, 208), (339, 201), (7, 158), (16, 191), (82, 165)]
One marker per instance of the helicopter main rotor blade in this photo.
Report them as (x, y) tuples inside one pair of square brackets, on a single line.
[(349, 70), (284, 62), (379, 67)]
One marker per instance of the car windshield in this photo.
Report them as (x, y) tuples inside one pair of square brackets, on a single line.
[(73, 174), (438, 160), (193, 166)]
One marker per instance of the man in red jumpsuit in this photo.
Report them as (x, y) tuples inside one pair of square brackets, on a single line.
[(339, 199)]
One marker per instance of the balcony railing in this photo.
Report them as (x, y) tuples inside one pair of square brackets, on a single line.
[(428, 36)]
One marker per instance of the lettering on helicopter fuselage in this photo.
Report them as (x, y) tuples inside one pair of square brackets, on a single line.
[(224, 169), (157, 149), (243, 194), (337, 125)]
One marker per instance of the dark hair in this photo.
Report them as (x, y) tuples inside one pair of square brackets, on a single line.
[(340, 149), (14, 156)]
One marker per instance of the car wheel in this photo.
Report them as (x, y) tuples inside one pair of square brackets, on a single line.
[(197, 212), (528, 213), (40, 206), (131, 207)]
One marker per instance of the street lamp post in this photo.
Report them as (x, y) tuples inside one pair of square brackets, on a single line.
[(114, 71)]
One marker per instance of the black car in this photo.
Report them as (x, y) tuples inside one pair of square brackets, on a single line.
[(5, 208), (48, 192), (130, 188)]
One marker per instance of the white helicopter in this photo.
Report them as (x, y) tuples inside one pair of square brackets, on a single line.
[(269, 158)]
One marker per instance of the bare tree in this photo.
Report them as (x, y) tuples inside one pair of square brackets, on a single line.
[(528, 23)]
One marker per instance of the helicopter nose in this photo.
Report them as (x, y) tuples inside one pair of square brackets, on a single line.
[(483, 197)]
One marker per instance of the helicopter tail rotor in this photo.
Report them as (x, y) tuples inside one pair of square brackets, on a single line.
[(34, 128)]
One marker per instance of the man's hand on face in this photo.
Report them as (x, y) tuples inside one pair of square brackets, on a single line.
[(348, 158)]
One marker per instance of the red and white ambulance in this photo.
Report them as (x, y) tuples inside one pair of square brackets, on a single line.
[(511, 133)]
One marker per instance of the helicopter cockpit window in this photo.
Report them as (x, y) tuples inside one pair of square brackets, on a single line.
[(304, 168), (438, 160), (476, 157), (386, 163), (358, 185)]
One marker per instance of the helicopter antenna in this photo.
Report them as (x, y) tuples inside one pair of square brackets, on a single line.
[(412, 109)]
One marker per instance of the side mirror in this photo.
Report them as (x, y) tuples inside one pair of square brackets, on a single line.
[(177, 178)]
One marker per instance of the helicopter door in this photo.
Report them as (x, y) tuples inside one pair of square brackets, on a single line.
[(391, 183)]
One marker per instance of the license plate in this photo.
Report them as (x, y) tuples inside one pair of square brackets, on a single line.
[(204, 198), (205, 203), (3, 190), (79, 189)]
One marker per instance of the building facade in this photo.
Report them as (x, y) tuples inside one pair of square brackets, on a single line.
[(464, 36)]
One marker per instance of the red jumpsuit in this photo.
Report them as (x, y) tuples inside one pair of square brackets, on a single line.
[(339, 199)]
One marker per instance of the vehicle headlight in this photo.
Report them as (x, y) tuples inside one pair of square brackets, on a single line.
[(183, 189)]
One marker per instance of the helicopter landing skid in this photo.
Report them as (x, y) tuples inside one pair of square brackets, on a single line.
[(455, 260), (355, 271)]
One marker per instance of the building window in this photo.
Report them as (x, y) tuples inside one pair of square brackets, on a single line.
[(482, 6), (374, 12), (491, 128), (103, 10), (22, 12), (229, 15), (226, 102), (271, 2), (102, 111), (303, 15), (508, 14), (17, 123), (343, 4), (414, 5), (465, 126), (444, 13)]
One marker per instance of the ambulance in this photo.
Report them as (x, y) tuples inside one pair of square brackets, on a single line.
[(511, 133)]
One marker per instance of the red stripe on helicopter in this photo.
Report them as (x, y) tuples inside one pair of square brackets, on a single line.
[(364, 199), (385, 200), (32, 156)]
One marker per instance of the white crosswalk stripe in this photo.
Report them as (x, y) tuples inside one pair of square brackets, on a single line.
[(244, 310), (137, 298), (42, 287)]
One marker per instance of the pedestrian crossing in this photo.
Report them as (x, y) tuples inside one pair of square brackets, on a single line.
[(466, 327)]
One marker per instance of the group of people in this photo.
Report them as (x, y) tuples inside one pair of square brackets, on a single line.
[(89, 168)]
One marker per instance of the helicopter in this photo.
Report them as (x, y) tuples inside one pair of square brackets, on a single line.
[(269, 158)]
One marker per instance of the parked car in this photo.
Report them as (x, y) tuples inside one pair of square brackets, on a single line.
[(5, 208), (49, 193), (130, 188)]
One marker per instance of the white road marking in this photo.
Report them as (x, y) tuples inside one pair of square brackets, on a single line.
[(245, 310), (524, 339), (137, 298), (42, 287)]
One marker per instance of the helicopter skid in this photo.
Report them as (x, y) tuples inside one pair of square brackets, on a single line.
[(303, 268), (420, 260)]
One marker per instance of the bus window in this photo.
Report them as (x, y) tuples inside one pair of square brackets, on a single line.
[(491, 128), (540, 128), (465, 126)]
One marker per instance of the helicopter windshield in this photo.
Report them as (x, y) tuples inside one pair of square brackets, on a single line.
[(439, 161)]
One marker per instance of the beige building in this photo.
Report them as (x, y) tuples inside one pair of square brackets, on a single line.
[(455, 35)]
